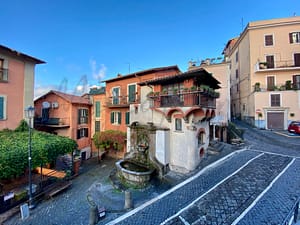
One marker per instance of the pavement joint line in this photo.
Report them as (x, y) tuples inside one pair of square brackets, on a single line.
[(212, 188), (184, 221), (289, 136), (274, 153), (261, 194), (132, 212)]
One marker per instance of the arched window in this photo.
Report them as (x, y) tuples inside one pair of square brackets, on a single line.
[(201, 138)]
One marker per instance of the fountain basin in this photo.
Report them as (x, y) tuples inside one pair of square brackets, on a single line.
[(133, 173)]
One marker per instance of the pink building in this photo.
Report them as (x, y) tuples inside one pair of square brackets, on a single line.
[(65, 115), (16, 85)]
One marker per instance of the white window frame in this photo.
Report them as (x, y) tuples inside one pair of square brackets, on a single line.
[(298, 32), (128, 90), (4, 107), (265, 40), (112, 94), (116, 117)]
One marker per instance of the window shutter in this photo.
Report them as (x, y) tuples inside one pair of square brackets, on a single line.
[(1, 108), (127, 118), (112, 117), (79, 115), (97, 105), (291, 37), (78, 134), (131, 93), (119, 118), (86, 132)]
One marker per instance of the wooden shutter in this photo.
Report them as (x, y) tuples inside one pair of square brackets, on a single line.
[(270, 61), (270, 83), (119, 118), (112, 117), (297, 59), (78, 134), (1, 108), (268, 40), (127, 118), (131, 93), (97, 110), (86, 132), (79, 115), (291, 37), (275, 100)]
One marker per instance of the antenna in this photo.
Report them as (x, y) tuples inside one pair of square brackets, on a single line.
[(81, 86), (63, 85), (242, 24)]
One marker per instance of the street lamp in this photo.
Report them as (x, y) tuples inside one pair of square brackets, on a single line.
[(29, 114)]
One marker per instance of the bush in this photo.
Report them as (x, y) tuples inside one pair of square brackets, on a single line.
[(109, 139)]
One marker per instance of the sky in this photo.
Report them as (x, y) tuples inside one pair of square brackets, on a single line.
[(85, 42)]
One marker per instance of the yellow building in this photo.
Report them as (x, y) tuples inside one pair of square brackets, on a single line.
[(265, 73)]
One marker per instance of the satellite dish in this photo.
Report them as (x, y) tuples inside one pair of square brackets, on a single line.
[(46, 105)]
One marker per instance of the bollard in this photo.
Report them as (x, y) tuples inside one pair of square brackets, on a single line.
[(93, 215), (128, 200)]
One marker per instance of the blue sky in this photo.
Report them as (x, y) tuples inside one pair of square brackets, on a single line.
[(97, 39)]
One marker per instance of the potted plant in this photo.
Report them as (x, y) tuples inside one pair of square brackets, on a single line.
[(257, 86), (263, 65)]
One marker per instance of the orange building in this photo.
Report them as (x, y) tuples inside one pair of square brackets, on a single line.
[(16, 85), (66, 115), (124, 90)]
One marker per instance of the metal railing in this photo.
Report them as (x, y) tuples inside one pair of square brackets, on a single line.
[(276, 65), (118, 101), (292, 217), (184, 100)]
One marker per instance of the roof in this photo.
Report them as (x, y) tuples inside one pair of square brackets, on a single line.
[(143, 72), (200, 75), (15, 53), (74, 99), (97, 91)]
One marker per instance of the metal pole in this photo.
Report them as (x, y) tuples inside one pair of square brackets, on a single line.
[(29, 165)]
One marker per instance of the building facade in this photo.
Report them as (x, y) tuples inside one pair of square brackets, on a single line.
[(16, 86), (219, 68), (124, 90), (265, 73), (177, 110), (65, 115)]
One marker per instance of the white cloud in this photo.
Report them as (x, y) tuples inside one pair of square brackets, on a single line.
[(98, 73)]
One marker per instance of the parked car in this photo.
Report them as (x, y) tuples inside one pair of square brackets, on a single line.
[(294, 127)]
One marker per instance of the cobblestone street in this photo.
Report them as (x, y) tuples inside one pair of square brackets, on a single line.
[(258, 184)]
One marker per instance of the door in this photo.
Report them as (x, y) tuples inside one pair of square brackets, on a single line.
[(275, 120)]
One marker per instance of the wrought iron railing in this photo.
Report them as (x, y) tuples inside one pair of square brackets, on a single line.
[(276, 65), (292, 217), (119, 101)]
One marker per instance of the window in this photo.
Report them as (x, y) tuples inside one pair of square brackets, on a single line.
[(237, 87), (201, 138), (270, 83), (97, 109), (297, 59), (294, 37), (115, 95), (236, 73), (115, 118), (275, 99), (83, 116), (127, 118), (97, 126), (178, 124), (82, 132), (269, 40), (2, 107), (131, 93), (270, 61), (296, 82), (236, 56), (3, 72)]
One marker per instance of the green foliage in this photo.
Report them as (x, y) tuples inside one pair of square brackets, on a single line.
[(109, 138), (23, 126), (45, 149)]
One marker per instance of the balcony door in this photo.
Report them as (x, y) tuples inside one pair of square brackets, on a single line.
[(270, 83), (297, 59), (131, 93), (270, 61), (115, 95)]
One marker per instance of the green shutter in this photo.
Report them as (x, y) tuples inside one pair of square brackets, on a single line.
[(1, 108), (97, 110), (127, 118), (112, 117), (119, 118), (131, 93), (79, 115)]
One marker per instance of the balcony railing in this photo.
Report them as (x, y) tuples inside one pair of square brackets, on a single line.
[(278, 87), (3, 75), (277, 65), (190, 99), (122, 101), (52, 121)]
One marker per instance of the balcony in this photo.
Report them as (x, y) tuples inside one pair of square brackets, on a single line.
[(188, 99), (280, 87), (52, 122), (122, 101), (3, 75), (276, 66)]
